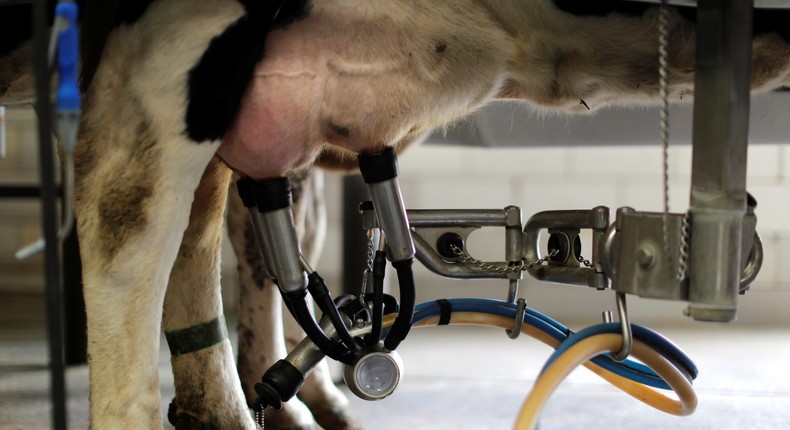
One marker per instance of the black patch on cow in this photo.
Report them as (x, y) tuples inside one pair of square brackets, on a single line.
[(218, 81)]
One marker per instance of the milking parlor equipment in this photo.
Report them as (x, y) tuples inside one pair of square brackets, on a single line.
[(55, 48), (707, 256)]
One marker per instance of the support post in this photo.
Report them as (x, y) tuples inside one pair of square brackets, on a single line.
[(721, 124), (50, 222)]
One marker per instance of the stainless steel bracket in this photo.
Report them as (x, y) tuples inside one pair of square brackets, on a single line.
[(638, 261), (430, 228), (568, 222)]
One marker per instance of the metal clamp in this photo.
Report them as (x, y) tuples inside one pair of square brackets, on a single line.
[(519, 320)]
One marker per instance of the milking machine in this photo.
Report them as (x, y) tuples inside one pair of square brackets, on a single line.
[(706, 257), (626, 255)]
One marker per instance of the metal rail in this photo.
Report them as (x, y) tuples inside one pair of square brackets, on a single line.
[(720, 138), (762, 4), (50, 221)]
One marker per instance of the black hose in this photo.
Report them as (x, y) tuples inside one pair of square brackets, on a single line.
[(332, 349), (379, 268), (317, 288), (279, 384), (402, 325)]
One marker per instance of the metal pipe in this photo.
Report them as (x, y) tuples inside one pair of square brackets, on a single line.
[(767, 4), (281, 235), (3, 141), (513, 247), (457, 218), (392, 217), (50, 222), (263, 244), (721, 125)]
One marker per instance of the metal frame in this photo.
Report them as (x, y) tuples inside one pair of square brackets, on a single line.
[(720, 139), (50, 221)]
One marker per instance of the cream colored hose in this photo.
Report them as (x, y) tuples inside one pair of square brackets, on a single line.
[(580, 354)]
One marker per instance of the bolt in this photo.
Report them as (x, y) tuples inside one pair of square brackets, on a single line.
[(644, 256), (445, 243)]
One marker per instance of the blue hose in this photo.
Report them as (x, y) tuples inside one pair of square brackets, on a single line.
[(628, 369)]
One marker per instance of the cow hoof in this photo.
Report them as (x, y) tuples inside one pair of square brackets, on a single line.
[(338, 418), (275, 420), (183, 420), (186, 420)]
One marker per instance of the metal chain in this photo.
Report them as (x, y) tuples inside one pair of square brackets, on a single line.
[(663, 90), (584, 261), (369, 266), (259, 420), (371, 248), (685, 229), (465, 258)]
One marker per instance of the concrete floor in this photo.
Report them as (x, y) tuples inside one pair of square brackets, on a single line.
[(467, 378)]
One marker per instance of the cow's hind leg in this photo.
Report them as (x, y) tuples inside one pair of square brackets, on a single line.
[(208, 391), (328, 404), (260, 327), (261, 338)]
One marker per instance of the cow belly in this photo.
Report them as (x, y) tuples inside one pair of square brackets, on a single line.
[(362, 79), (312, 89), (285, 120), (275, 128)]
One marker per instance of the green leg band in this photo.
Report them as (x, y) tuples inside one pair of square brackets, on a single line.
[(197, 337)]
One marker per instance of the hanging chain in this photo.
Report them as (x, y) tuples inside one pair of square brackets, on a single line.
[(584, 261), (465, 258), (685, 229), (259, 420), (663, 90), (369, 264)]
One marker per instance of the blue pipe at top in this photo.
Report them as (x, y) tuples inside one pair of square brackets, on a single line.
[(68, 57)]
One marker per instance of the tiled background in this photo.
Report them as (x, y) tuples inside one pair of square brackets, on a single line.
[(535, 179), (19, 218)]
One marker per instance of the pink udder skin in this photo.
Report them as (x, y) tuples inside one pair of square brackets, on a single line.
[(354, 77), (285, 117), (274, 130), (324, 80)]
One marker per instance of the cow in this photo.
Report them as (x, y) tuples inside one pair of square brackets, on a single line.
[(265, 334), (187, 91)]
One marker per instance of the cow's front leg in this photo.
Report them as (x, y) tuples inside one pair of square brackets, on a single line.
[(134, 189), (208, 391)]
